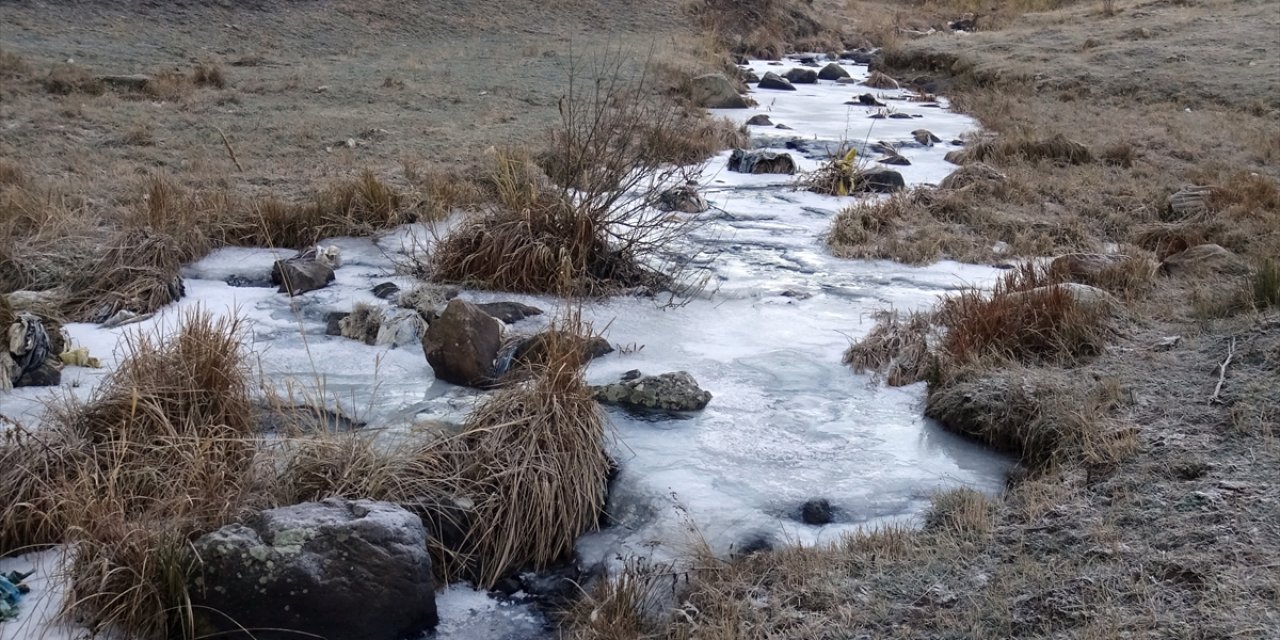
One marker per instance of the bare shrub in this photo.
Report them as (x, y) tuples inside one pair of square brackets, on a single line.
[(588, 230)]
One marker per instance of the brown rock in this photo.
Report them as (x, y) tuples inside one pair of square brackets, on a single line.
[(1204, 259), (462, 344)]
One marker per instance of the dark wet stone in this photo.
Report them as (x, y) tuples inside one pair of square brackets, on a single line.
[(509, 312), (816, 512), (332, 322), (386, 290)]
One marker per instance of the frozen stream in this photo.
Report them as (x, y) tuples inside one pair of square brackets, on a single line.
[(788, 422)]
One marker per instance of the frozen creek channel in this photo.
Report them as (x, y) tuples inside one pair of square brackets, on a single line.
[(788, 421)]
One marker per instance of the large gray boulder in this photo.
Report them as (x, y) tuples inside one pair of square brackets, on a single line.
[(715, 91), (462, 344), (337, 569), (667, 392)]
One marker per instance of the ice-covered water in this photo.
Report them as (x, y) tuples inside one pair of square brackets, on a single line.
[(788, 421)]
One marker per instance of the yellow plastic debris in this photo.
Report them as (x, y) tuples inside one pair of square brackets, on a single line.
[(79, 357)]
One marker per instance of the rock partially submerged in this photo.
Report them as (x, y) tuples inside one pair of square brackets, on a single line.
[(309, 270), (800, 75), (462, 345), (878, 181), (776, 82), (684, 199), (340, 569), (760, 161), (509, 312), (833, 71), (759, 120), (676, 391)]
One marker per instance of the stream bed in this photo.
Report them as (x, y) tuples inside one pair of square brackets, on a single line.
[(788, 421)]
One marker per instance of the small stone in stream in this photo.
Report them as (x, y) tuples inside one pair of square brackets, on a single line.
[(631, 375), (773, 81), (240, 281), (877, 116), (925, 137), (816, 512), (535, 350), (957, 142), (386, 290), (833, 71), (43, 375), (878, 181), (760, 120), (782, 126), (748, 76), (895, 160), (684, 199), (556, 586), (900, 116), (796, 294), (846, 81), (879, 80), (307, 271), (869, 100), (333, 322), (758, 543), (509, 312), (859, 56)]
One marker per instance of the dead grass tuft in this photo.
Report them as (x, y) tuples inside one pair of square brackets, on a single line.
[(630, 606), (138, 273), (171, 86), (539, 448), (763, 28), (897, 348), (1028, 317), (13, 65), (66, 79), (209, 75), (1023, 147), (963, 512), (1266, 284), (916, 227), (162, 451)]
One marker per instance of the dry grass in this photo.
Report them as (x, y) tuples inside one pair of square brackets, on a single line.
[(539, 448), (1005, 150), (67, 79), (964, 512), (897, 348), (764, 28), (209, 75), (162, 451), (1266, 284), (1026, 318), (916, 227)]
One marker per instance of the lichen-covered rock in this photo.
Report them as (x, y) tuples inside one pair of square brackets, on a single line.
[(337, 569), (676, 391)]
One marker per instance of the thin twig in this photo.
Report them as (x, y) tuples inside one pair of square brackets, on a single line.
[(1222, 374), (231, 152)]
